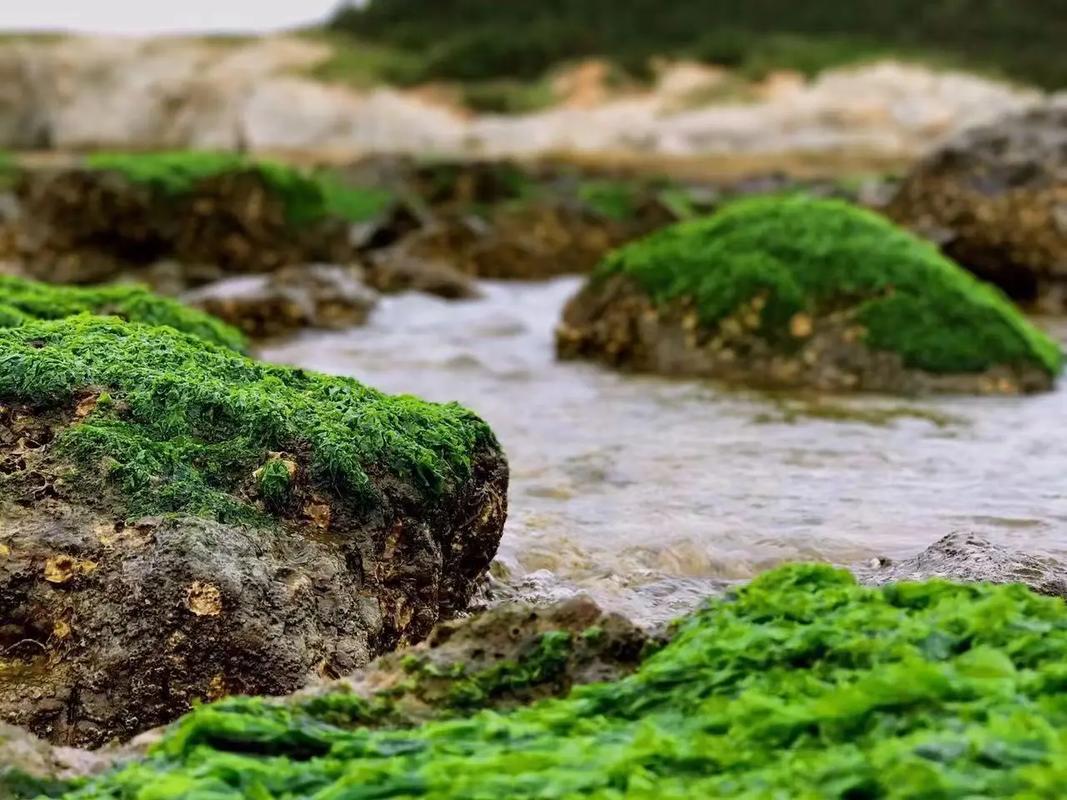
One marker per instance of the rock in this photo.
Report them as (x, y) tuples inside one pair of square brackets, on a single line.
[(31, 767), (180, 523), (795, 292), (968, 557), (92, 223), (510, 655), (397, 269), (310, 296), (995, 199)]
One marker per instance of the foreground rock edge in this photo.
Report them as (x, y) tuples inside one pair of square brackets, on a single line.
[(508, 656)]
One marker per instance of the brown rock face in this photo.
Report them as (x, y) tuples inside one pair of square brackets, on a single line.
[(995, 199), (85, 226), (110, 627)]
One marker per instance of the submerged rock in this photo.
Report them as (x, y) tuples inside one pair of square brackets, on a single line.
[(308, 296), (804, 292), (969, 557), (800, 683), (179, 523), (995, 199), (93, 222)]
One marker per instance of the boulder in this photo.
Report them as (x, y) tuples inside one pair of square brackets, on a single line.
[(968, 557), (180, 523), (796, 291), (310, 296), (995, 199), (93, 222)]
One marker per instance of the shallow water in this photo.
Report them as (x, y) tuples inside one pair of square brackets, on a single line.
[(643, 491)]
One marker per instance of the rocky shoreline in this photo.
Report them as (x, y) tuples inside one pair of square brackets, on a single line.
[(224, 578), (503, 659)]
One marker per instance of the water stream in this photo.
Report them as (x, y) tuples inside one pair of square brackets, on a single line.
[(642, 491)]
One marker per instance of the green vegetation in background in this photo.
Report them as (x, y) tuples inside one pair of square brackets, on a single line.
[(188, 424), (808, 255), (308, 198), (22, 300), (802, 684), (523, 39)]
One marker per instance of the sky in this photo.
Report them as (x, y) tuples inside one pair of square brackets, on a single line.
[(160, 16)]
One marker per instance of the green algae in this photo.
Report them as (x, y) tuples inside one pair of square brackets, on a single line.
[(186, 424), (801, 684), (808, 256), (307, 197), (24, 300)]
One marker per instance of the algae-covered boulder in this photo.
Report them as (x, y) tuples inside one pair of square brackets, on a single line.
[(178, 522), (794, 291), (799, 684), (995, 199), (22, 300), (120, 211)]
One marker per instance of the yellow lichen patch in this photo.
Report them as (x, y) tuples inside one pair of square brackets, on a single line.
[(319, 514), (800, 326), (203, 599), (61, 629), (86, 406), (216, 689), (5, 551), (63, 569)]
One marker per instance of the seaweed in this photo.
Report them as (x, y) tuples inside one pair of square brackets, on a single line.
[(800, 684)]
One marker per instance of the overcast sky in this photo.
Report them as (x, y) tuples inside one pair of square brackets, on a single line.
[(160, 16)]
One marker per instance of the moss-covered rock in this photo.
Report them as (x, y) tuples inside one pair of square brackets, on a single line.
[(995, 199), (797, 291), (800, 684), (180, 522), (120, 211), (22, 300)]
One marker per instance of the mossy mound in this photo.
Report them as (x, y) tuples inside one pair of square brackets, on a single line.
[(23, 300), (802, 684), (212, 213), (780, 269), (180, 523), (307, 197), (182, 426)]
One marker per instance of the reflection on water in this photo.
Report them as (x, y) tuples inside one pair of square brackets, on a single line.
[(640, 490)]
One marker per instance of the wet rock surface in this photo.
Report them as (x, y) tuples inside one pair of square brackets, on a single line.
[(969, 557), (995, 199)]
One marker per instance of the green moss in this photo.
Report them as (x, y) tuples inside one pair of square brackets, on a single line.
[(23, 300), (307, 197), (808, 255), (802, 685), (187, 423)]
